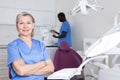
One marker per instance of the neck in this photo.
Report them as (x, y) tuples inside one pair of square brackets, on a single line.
[(27, 40)]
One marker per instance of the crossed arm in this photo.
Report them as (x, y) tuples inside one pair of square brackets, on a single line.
[(43, 67)]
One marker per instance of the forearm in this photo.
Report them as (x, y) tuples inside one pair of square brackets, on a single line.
[(61, 36), (57, 33), (27, 69), (49, 68), (32, 68), (54, 31)]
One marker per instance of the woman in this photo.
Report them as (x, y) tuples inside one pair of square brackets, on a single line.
[(27, 57)]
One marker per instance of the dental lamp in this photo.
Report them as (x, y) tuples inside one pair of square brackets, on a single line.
[(83, 6)]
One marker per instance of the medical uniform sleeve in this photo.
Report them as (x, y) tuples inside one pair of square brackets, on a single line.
[(45, 53), (13, 54), (65, 27)]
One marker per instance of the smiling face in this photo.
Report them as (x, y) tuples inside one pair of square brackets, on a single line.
[(25, 25)]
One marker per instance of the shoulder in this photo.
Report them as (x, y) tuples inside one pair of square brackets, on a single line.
[(35, 41), (13, 43), (66, 22)]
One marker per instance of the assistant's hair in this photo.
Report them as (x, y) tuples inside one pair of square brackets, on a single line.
[(25, 14), (62, 17)]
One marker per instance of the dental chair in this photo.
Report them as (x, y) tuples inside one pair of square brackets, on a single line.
[(65, 57), (91, 69), (111, 73)]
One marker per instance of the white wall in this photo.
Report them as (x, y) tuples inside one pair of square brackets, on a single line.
[(94, 24), (42, 10), (45, 13)]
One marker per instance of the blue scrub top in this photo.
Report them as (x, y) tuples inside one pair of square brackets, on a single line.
[(19, 49), (65, 27)]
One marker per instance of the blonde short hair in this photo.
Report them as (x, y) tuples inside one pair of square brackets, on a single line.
[(25, 14)]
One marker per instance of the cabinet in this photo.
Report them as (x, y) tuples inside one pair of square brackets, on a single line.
[(51, 51), (3, 64)]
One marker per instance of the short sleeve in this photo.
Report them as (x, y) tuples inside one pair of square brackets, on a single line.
[(65, 27), (13, 54), (45, 53)]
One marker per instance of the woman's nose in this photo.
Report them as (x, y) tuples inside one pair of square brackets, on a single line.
[(25, 25)]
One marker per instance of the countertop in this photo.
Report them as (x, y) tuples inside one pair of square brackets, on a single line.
[(51, 46), (5, 46)]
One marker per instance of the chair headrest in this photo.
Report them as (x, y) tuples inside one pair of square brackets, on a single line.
[(64, 46)]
